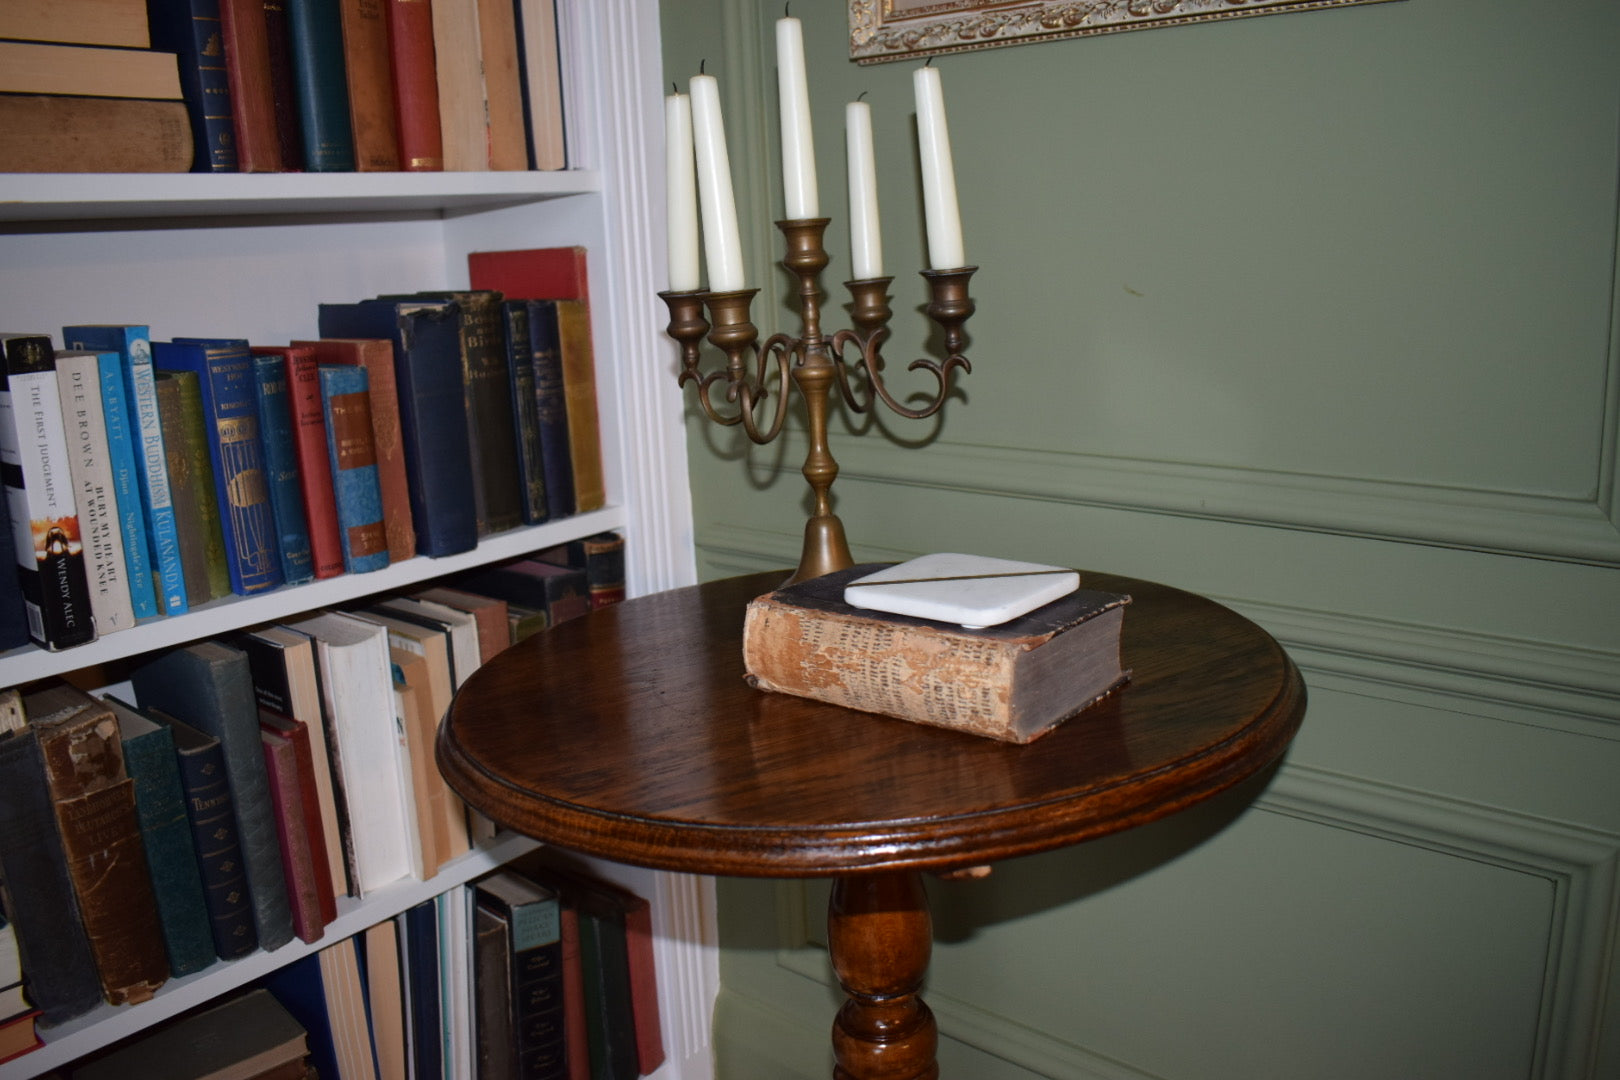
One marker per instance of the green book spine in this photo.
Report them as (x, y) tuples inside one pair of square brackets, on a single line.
[(191, 478)]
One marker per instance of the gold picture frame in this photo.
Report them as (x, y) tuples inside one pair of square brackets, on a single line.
[(882, 30)]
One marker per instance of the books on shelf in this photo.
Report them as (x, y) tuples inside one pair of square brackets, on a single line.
[(90, 466), (189, 31), (82, 22), (369, 77), (252, 1036), (33, 67), (60, 133), (191, 482), (351, 451), (282, 476)]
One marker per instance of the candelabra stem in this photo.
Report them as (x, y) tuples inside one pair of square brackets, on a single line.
[(825, 547)]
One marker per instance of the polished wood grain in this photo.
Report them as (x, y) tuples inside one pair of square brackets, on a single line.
[(630, 734)]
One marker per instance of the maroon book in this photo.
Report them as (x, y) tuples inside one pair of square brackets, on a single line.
[(245, 37), (291, 768), (416, 87)]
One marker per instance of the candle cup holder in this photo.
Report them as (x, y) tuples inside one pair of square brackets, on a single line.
[(815, 364)]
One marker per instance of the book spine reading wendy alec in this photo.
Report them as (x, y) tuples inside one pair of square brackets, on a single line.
[(1012, 682)]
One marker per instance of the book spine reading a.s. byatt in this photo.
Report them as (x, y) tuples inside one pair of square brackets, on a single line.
[(39, 493), (133, 345), (121, 449)]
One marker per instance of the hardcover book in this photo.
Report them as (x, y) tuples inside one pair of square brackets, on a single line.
[(416, 86), (488, 612), (191, 477), (62, 979), (542, 83), (421, 949), (85, 22), (315, 36), (417, 728), (78, 383), (282, 477), (160, 803), (551, 407), (432, 411), (133, 345), (224, 368), (531, 968), (1012, 682), (251, 1036), (308, 432), (579, 395), (13, 610), (209, 686), (290, 766), (33, 67), (525, 411), (462, 124), (368, 70), (47, 133), (376, 355), (191, 30), (211, 811), (503, 85), (121, 446), (283, 86), (351, 450), (39, 495), (245, 38), (94, 800)]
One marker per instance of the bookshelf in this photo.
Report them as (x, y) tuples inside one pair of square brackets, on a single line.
[(253, 255)]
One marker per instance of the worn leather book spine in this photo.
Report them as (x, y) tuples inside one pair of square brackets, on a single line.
[(56, 133), (368, 67), (292, 830), (191, 475), (283, 88), (245, 37), (94, 801), (492, 441), (579, 393), (416, 87), (55, 953), (525, 411)]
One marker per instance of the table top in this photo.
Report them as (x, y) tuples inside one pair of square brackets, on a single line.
[(630, 734)]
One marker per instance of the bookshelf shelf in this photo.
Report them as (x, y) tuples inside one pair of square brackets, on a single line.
[(86, 197), (108, 1023), (232, 613)]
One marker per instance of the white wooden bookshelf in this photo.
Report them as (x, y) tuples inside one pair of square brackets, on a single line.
[(252, 256)]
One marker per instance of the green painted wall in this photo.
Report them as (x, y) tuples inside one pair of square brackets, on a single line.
[(1313, 313)]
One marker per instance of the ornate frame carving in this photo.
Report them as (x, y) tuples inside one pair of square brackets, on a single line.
[(881, 30)]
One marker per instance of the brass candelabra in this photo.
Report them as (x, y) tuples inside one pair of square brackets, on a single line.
[(814, 362)]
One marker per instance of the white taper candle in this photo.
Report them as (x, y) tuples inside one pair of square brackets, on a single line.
[(798, 156), (865, 238), (938, 176), (681, 191), (721, 243)]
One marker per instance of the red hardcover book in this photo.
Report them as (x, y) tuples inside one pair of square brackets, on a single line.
[(377, 357), (416, 87), (556, 273), (244, 34), (290, 766), (369, 68), (314, 467)]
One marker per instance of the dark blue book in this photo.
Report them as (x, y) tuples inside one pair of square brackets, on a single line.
[(216, 843), (432, 411), (209, 685), (191, 30), (126, 483), (13, 611), (551, 406), (525, 411), (351, 448), (281, 468), (58, 969), (301, 989), (224, 369), (421, 936), (166, 836), (321, 84), (133, 345)]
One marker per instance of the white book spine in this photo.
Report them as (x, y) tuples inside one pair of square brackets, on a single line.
[(78, 380)]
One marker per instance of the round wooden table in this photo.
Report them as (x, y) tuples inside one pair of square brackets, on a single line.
[(630, 734)]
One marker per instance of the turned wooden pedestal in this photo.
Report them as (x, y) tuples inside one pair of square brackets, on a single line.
[(630, 734)]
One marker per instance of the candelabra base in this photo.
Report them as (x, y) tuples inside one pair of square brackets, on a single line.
[(825, 549)]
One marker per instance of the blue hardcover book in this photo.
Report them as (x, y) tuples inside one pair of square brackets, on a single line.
[(525, 411), (301, 989), (191, 30), (134, 348), (126, 484), (422, 974), (321, 84), (160, 805), (426, 335), (281, 468), (224, 368), (551, 407), (352, 450)]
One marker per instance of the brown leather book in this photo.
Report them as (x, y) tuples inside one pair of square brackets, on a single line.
[(416, 86), (94, 801), (244, 34), (377, 357), (60, 133), (368, 65), (579, 392)]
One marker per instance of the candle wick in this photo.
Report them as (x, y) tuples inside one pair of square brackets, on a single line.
[(928, 62), (860, 95), (787, 9), (702, 62)]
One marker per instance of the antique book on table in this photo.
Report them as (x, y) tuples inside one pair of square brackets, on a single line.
[(416, 85), (281, 473), (61, 133), (51, 942), (190, 30), (208, 685), (351, 450), (1011, 682), (290, 762), (315, 38), (426, 338), (84, 421), (245, 38), (39, 495), (250, 1036), (308, 419), (211, 810), (224, 368), (83, 22), (160, 802), (94, 801), (368, 70), (191, 474), (126, 487), (133, 345), (376, 355), (282, 664)]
